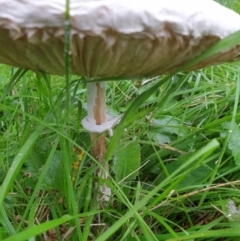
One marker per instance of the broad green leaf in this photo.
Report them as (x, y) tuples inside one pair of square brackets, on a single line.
[(169, 124), (234, 143), (127, 161), (159, 137), (53, 178)]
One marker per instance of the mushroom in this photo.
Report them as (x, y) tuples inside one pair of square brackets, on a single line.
[(112, 39)]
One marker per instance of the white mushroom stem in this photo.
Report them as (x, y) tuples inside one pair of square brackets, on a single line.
[(96, 102), (96, 105)]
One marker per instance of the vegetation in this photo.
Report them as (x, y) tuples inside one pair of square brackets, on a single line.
[(174, 157)]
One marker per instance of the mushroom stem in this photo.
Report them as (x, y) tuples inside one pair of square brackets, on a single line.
[(96, 102), (96, 105)]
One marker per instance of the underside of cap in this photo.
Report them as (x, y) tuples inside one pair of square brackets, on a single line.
[(111, 38)]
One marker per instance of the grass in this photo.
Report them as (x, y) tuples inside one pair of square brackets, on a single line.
[(183, 133)]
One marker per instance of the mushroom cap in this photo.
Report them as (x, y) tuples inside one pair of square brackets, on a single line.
[(112, 38)]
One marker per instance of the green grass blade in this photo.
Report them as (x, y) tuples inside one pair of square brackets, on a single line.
[(6, 223), (40, 180), (18, 162), (67, 57), (222, 233), (36, 230), (14, 79), (224, 44)]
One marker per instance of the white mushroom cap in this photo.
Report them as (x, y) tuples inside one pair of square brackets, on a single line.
[(112, 38)]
